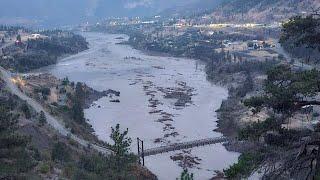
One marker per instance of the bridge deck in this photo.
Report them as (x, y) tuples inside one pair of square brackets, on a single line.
[(184, 145)]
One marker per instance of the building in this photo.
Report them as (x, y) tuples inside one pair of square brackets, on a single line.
[(37, 36)]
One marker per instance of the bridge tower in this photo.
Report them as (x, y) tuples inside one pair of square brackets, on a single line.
[(140, 151)]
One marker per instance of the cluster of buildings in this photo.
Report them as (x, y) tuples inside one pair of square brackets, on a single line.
[(258, 45)]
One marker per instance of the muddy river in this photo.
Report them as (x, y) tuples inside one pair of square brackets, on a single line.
[(163, 100)]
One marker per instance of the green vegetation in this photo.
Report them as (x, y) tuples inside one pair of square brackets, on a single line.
[(26, 111), (73, 100), (301, 31), (45, 92), (300, 36), (78, 104), (58, 45), (42, 119), (255, 130), (97, 166), (44, 168), (40, 152), (247, 162), (120, 147), (77, 112), (65, 81), (287, 91), (44, 51), (19, 37), (60, 152), (192, 43), (16, 159), (185, 175)]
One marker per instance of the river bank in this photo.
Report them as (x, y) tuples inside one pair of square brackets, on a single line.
[(61, 98)]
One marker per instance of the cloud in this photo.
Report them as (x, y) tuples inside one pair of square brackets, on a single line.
[(138, 3)]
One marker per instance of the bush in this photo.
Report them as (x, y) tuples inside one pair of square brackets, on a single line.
[(257, 129), (247, 162), (60, 152), (45, 91), (69, 170), (44, 168)]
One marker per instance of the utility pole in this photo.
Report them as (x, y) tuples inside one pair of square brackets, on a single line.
[(138, 143), (140, 151)]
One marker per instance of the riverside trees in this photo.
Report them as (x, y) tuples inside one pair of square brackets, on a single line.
[(78, 104), (287, 91)]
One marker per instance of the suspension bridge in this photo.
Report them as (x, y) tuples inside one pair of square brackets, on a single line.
[(176, 146)]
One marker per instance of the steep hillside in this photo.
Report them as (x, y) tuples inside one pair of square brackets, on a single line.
[(193, 8), (31, 149), (264, 11)]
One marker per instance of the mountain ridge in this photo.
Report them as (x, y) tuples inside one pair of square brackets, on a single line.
[(264, 11)]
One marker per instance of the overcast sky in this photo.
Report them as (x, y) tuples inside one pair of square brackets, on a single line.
[(65, 11)]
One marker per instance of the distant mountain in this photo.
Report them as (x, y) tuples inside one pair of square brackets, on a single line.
[(75, 11), (193, 8), (261, 11), (136, 7)]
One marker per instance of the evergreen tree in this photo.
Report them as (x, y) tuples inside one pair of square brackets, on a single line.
[(15, 160), (77, 112), (25, 109), (60, 152), (78, 104), (300, 31), (120, 147), (185, 175), (65, 81), (287, 92), (42, 118), (80, 94), (7, 121), (19, 37)]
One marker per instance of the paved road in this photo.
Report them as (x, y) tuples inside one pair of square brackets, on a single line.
[(53, 121)]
